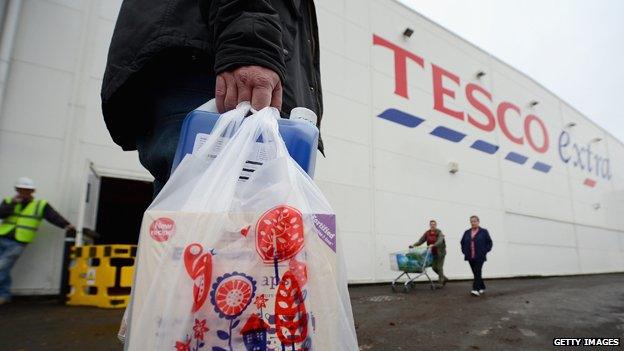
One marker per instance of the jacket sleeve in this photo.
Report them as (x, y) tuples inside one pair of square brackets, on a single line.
[(461, 243), (420, 241), (6, 208), (440, 240), (488, 241), (244, 33), (50, 214)]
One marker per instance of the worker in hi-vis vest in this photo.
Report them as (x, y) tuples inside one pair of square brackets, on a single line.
[(21, 216)]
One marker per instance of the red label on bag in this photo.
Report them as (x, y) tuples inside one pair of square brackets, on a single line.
[(162, 229), (279, 233)]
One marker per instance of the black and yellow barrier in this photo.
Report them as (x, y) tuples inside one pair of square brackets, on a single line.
[(101, 275)]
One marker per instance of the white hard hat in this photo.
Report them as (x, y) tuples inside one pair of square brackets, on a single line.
[(25, 183)]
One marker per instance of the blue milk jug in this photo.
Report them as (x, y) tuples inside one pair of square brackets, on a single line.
[(299, 133)]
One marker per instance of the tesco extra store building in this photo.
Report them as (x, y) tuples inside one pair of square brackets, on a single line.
[(418, 128)]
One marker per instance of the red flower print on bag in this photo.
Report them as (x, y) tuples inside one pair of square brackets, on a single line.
[(183, 346), (299, 270), (279, 234), (200, 328), (199, 268), (291, 318)]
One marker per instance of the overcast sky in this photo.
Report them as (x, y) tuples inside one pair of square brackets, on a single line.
[(575, 48)]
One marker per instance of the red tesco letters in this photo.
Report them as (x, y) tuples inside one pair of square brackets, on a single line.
[(439, 91), (445, 86), (472, 99), (400, 64)]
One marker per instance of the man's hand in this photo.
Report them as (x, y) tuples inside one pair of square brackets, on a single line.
[(17, 198), (257, 84)]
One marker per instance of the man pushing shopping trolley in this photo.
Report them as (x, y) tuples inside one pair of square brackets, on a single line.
[(417, 260), (436, 243)]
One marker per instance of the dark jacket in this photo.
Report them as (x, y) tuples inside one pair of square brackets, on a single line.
[(483, 245), (224, 34)]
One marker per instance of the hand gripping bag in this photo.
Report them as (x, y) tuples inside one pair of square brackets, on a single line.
[(235, 259)]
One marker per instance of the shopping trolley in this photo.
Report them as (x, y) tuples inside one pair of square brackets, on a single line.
[(414, 261)]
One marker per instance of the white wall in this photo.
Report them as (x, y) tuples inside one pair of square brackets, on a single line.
[(385, 180), (51, 124)]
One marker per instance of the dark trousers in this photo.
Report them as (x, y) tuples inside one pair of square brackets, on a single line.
[(169, 88), (438, 266), (477, 267)]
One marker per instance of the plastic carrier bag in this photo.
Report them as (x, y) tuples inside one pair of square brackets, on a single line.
[(238, 256)]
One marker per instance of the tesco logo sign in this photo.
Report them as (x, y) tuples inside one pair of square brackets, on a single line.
[(448, 84), (529, 129)]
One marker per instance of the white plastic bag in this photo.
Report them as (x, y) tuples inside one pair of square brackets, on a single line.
[(229, 263)]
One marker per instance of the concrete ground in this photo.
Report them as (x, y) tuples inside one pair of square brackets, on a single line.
[(515, 314)]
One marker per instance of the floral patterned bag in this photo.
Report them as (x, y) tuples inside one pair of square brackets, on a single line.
[(249, 263)]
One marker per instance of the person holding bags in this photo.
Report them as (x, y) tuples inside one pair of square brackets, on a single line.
[(475, 245), (168, 57)]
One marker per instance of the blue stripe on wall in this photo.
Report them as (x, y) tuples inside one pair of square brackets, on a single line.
[(542, 167), (484, 146), (401, 118), (517, 158), (448, 134), (411, 121)]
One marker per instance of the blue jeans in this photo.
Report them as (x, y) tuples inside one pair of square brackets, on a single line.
[(169, 90), (10, 251), (157, 149)]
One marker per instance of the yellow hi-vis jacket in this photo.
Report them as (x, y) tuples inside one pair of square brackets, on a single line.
[(25, 220)]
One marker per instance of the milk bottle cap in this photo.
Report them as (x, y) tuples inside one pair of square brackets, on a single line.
[(303, 114)]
